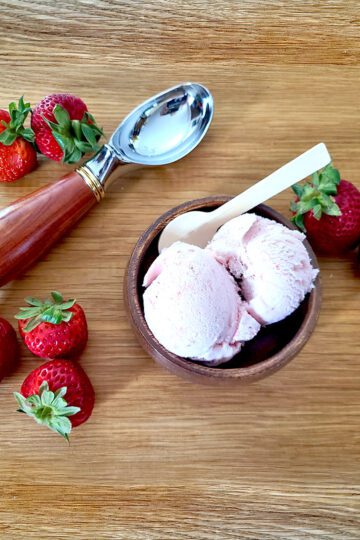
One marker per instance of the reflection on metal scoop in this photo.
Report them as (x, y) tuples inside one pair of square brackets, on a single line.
[(162, 130)]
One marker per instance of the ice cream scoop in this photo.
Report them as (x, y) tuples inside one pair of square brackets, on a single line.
[(161, 130), (270, 260), (193, 308), (198, 227)]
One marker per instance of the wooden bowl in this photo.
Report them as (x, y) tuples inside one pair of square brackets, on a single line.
[(272, 348)]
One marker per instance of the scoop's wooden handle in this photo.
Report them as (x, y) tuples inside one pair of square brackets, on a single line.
[(31, 225)]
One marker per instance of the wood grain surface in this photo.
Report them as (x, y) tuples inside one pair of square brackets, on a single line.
[(162, 458)]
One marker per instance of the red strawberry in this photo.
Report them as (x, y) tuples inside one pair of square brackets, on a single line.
[(328, 210), (54, 328), (17, 154), (64, 129), (55, 391), (9, 350)]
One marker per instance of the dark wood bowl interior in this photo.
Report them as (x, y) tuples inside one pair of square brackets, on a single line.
[(272, 348)]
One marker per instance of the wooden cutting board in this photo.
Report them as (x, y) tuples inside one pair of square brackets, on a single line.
[(162, 458)]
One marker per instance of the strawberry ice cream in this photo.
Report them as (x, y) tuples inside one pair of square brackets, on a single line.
[(270, 260), (193, 307)]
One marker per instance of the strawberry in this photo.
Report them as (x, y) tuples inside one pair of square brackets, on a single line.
[(9, 350), (328, 210), (64, 129), (53, 328), (17, 154), (57, 394)]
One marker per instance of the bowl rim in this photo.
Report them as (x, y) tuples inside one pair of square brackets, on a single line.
[(160, 354)]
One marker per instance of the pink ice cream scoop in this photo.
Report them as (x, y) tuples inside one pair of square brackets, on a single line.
[(270, 260), (193, 307)]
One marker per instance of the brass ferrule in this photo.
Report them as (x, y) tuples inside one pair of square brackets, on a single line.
[(92, 182)]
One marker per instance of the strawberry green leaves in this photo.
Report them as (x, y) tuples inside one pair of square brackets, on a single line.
[(48, 408), (54, 311), (75, 137), (316, 196), (15, 127)]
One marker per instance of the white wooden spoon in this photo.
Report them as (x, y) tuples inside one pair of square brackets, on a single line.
[(199, 227)]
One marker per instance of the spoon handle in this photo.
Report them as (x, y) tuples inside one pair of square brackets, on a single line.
[(299, 168), (31, 225)]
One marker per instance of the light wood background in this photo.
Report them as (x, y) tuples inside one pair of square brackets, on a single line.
[(161, 458)]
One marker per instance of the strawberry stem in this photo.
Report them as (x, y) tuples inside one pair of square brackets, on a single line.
[(48, 408), (75, 137), (53, 311), (15, 128), (316, 196)]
